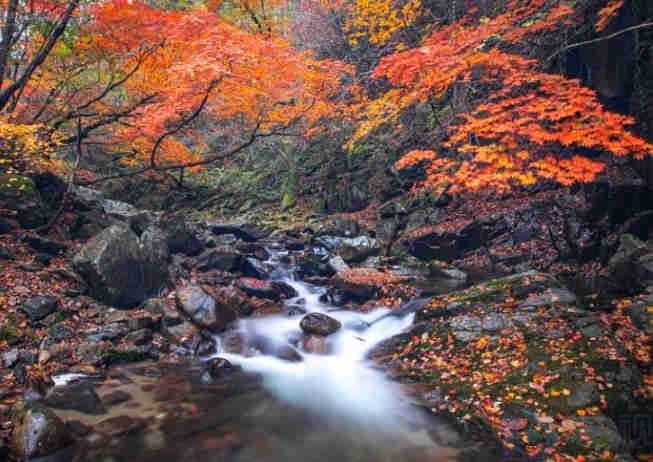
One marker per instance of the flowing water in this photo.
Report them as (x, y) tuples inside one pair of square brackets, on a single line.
[(322, 408)]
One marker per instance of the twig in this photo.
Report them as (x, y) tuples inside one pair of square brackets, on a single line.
[(599, 39)]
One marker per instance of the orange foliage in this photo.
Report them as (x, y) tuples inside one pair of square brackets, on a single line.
[(260, 81), (608, 13), (527, 116)]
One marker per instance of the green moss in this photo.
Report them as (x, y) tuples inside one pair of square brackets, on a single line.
[(10, 334)]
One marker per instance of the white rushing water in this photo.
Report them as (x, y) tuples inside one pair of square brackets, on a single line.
[(342, 384)]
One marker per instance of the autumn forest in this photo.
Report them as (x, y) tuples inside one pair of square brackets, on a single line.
[(326, 230)]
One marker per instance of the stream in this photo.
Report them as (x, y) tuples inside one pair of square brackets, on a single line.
[(331, 406)]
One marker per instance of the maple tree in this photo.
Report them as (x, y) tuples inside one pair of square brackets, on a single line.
[(531, 126)]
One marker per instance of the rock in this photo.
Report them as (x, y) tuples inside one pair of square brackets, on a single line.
[(223, 258), (76, 396), (245, 231), (115, 397), (6, 254), (40, 307), (632, 264), (311, 264), (216, 368), (156, 256), (47, 246), (465, 328), (169, 314), (232, 298), (181, 237), (118, 269), (252, 267), (120, 425), (603, 429), (338, 264), (495, 322), (7, 225), (265, 289), (352, 250), (140, 337), (585, 395), (592, 330), (315, 344), (319, 324), (38, 432), (59, 332), (87, 198), (448, 273), (448, 245), (391, 209), (549, 298), (10, 358), (253, 249), (202, 308), (182, 334)]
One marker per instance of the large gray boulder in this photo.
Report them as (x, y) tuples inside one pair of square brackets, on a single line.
[(121, 269)]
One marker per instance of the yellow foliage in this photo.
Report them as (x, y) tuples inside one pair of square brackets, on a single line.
[(379, 20)]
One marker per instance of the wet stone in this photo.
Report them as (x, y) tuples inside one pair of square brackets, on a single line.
[(319, 324), (120, 425), (116, 397), (77, 396)]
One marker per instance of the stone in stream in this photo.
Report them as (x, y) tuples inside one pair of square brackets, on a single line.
[(38, 432), (266, 289), (319, 324), (216, 368), (316, 344), (77, 396), (202, 308)]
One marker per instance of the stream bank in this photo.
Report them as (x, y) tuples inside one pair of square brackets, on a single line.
[(495, 367)]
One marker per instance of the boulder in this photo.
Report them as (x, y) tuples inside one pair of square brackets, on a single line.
[(180, 235), (245, 231), (254, 268), (319, 324), (202, 308), (156, 256), (38, 432), (232, 298), (265, 289), (352, 250), (253, 249), (121, 270), (76, 396), (216, 368), (315, 344), (632, 264), (40, 307), (223, 258)]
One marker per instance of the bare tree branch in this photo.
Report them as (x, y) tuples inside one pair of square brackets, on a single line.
[(41, 55), (599, 39)]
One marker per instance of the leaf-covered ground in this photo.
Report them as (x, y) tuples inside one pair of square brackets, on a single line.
[(518, 358)]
